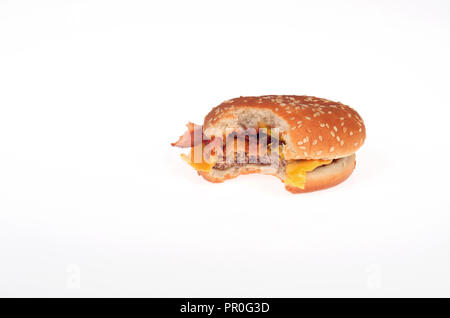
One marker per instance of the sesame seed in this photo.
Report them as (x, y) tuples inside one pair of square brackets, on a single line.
[(320, 138), (302, 147), (355, 144), (332, 133), (319, 152), (335, 128), (306, 154), (308, 118), (305, 140), (331, 149), (300, 143), (342, 142), (351, 133), (342, 118), (337, 138), (299, 122), (344, 129), (276, 109), (308, 130), (360, 129), (292, 118), (322, 125), (314, 142)]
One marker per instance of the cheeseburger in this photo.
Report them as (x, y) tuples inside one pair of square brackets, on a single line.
[(309, 143)]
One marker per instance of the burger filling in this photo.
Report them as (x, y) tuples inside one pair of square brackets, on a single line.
[(237, 151)]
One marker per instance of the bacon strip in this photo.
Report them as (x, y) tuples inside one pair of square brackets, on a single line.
[(187, 140)]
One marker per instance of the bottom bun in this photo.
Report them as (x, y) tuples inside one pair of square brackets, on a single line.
[(327, 176), (320, 178)]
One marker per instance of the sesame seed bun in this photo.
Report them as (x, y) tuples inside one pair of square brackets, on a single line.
[(313, 128), (321, 178), (324, 132)]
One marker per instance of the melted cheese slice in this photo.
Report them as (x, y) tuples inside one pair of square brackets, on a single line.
[(204, 165), (296, 171)]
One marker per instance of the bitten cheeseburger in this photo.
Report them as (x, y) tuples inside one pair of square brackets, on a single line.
[(309, 143)]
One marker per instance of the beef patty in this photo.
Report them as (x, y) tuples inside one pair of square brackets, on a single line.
[(241, 159)]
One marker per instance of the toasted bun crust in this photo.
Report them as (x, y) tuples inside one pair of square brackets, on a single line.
[(212, 177), (321, 178), (327, 176), (313, 128)]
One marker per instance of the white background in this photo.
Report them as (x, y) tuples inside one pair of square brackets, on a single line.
[(95, 202)]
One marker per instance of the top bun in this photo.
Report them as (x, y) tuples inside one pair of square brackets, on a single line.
[(313, 128)]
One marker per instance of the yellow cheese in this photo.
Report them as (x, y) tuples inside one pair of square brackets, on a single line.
[(204, 164), (296, 171)]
